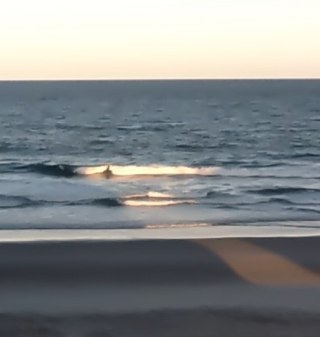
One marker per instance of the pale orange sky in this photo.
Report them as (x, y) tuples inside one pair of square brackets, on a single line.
[(139, 39)]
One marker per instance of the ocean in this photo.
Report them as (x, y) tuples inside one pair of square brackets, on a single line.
[(149, 154)]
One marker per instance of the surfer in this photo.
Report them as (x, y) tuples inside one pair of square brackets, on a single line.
[(108, 172)]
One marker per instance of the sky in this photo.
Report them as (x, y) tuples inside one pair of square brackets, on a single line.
[(159, 39)]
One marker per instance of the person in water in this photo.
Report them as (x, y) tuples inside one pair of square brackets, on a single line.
[(108, 172)]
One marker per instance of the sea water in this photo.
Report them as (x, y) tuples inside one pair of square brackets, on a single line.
[(134, 154)]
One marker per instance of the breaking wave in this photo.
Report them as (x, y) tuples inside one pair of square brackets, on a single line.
[(57, 170), (154, 199), (151, 170), (150, 194), (68, 171), (154, 203), (150, 199)]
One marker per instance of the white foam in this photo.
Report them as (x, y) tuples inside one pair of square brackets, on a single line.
[(168, 226), (151, 194), (152, 170), (153, 199), (156, 203), (164, 232), (89, 170)]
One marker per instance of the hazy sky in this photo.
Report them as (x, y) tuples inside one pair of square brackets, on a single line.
[(111, 39)]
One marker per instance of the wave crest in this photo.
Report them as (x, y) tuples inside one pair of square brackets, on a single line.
[(156, 203), (151, 194), (58, 170), (69, 171), (151, 170), (154, 199), (281, 190)]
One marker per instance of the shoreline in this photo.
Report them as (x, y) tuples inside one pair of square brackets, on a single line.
[(167, 232)]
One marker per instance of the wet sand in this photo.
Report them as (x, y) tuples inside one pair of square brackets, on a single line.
[(200, 287)]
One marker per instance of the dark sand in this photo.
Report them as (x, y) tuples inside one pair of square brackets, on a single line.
[(213, 287), (187, 323)]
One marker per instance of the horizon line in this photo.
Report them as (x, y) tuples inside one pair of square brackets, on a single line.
[(164, 79)]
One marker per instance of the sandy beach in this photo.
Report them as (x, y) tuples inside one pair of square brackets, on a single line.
[(200, 287)]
